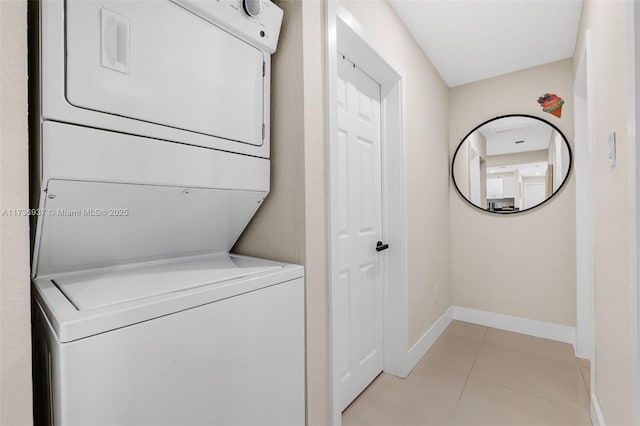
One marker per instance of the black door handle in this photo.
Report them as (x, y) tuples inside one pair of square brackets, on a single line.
[(380, 246)]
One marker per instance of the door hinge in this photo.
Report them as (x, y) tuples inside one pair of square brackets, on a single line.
[(263, 131), (264, 68)]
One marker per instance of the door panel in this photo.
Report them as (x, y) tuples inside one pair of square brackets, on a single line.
[(359, 228), (119, 53)]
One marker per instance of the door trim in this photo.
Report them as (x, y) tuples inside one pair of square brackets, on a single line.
[(633, 22), (346, 34), (583, 147), (583, 90)]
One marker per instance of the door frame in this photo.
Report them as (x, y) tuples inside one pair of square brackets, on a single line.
[(633, 23), (346, 34), (583, 149), (471, 180)]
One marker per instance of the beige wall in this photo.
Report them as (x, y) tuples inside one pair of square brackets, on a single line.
[(15, 321), (518, 158), (277, 230), (524, 264), (427, 163), (315, 216), (291, 225), (608, 25)]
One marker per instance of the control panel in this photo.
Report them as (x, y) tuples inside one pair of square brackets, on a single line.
[(256, 21)]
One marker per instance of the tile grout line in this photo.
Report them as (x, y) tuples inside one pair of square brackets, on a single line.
[(481, 342), (565, 404), (470, 369), (586, 387)]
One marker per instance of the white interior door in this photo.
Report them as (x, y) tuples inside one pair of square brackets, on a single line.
[(359, 324)]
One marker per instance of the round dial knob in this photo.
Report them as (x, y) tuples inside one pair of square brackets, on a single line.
[(252, 7)]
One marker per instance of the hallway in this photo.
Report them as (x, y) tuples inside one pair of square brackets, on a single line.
[(475, 375), (407, 166)]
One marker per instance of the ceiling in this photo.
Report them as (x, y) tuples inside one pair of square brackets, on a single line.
[(471, 40), (510, 135), (525, 170)]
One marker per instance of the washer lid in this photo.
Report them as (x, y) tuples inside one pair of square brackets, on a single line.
[(97, 289)]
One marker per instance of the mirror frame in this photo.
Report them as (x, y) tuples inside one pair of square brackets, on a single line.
[(560, 188)]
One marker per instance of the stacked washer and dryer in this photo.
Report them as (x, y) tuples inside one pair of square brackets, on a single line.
[(152, 153)]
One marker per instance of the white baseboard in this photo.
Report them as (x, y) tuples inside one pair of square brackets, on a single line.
[(596, 413), (546, 330), (423, 344)]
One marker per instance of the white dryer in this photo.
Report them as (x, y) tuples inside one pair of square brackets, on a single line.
[(153, 155)]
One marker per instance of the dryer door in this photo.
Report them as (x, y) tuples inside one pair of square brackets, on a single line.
[(156, 62)]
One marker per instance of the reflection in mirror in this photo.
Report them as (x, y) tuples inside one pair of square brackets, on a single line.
[(511, 164)]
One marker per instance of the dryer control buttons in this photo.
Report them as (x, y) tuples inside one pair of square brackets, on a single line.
[(252, 7)]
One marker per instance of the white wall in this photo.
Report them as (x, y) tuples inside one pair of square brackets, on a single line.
[(523, 264), (607, 21), (15, 321)]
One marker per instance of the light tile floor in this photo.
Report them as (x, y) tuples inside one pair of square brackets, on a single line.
[(475, 375)]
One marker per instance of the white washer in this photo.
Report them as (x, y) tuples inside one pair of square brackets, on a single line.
[(153, 153), (212, 339)]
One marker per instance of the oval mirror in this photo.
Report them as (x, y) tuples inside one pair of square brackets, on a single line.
[(511, 164)]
